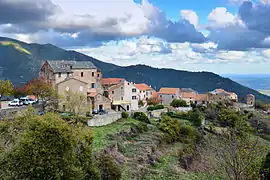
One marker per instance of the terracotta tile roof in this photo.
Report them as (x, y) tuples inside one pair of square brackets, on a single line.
[(188, 95), (143, 87), (168, 91), (111, 81), (201, 97), (115, 87)]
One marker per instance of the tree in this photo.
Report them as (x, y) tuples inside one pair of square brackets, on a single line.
[(108, 168), (6, 89), (76, 103), (19, 92), (238, 153), (45, 147), (153, 101), (43, 91), (179, 103)]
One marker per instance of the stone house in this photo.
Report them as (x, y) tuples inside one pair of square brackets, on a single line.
[(250, 99), (124, 96), (222, 95), (109, 82), (77, 76), (145, 92), (167, 95)]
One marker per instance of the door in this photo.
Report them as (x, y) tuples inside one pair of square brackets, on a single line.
[(100, 107)]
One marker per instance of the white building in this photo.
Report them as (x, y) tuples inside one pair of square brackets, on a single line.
[(124, 96)]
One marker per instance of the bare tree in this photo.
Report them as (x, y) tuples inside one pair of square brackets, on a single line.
[(76, 103), (238, 154)]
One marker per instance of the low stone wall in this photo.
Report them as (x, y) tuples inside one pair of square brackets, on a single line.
[(157, 113), (102, 120), (10, 113)]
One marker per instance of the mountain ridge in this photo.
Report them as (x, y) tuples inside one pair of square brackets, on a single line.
[(20, 67)]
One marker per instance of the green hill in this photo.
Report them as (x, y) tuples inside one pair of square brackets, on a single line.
[(20, 62)]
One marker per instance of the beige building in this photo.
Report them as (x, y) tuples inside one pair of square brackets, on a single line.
[(124, 96), (77, 76), (145, 92), (250, 99), (222, 95), (167, 95)]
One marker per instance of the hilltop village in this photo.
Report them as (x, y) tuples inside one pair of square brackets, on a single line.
[(118, 94)]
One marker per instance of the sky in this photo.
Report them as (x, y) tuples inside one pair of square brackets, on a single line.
[(221, 36)]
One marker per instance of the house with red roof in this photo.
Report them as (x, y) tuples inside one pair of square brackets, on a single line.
[(167, 95), (146, 92)]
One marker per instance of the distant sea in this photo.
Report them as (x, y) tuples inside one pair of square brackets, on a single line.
[(260, 82)]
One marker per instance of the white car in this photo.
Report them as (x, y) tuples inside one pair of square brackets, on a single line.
[(15, 102), (27, 101)]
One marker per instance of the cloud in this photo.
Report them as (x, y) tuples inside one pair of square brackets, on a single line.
[(14, 11), (69, 22), (247, 30), (190, 16), (255, 15)]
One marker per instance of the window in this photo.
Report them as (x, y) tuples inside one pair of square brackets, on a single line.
[(81, 74), (140, 91), (98, 75), (122, 98), (134, 97), (93, 85), (127, 107), (68, 74), (93, 74), (134, 90), (151, 93), (146, 93), (160, 96), (122, 88), (172, 96), (112, 92), (70, 67), (81, 88), (59, 74), (128, 83), (144, 96)]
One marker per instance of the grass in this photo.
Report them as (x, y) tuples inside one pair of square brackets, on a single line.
[(101, 134), (16, 46)]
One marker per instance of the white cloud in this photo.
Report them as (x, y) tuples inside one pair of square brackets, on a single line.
[(220, 17), (190, 16)]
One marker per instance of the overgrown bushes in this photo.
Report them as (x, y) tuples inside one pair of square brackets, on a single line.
[(171, 127), (140, 116), (124, 115), (156, 107), (179, 103), (108, 168)]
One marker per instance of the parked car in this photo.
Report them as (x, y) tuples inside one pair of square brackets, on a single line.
[(100, 112), (25, 101), (32, 101), (15, 102)]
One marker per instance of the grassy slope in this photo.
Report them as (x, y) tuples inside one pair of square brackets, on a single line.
[(135, 149), (16, 46), (101, 139)]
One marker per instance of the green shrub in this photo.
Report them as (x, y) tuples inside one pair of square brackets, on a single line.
[(171, 127), (189, 134), (124, 115), (108, 168), (142, 127), (140, 103), (140, 116), (196, 117), (152, 108), (179, 103)]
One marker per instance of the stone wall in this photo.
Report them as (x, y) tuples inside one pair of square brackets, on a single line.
[(102, 120), (11, 112)]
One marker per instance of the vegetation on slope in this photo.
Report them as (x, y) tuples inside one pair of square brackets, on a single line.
[(16, 46)]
